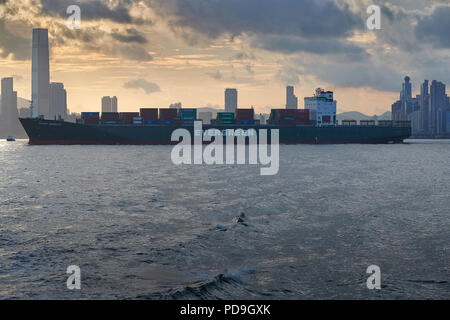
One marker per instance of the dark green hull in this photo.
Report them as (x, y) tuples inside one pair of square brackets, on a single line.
[(42, 132)]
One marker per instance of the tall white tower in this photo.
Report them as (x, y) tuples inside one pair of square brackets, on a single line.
[(40, 73)]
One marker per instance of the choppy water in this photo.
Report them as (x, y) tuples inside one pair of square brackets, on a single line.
[(140, 227)]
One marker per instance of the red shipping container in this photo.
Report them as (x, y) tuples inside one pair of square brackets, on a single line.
[(245, 114), (127, 117), (149, 114), (91, 120), (110, 116)]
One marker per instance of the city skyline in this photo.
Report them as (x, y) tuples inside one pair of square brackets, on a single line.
[(132, 51)]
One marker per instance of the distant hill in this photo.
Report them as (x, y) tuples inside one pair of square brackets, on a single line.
[(355, 115)]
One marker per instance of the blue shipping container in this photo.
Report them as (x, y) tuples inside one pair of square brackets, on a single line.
[(151, 122), (90, 114), (167, 122), (248, 122)]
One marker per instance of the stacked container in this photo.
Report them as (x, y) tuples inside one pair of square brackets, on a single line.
[(149, 115), (90, 117), (367, 122), (167, 115), (127, 117), (225, 118), (245, 116), (188, 116), (349, 122), (137, 120), (290, 116), (110, 118)]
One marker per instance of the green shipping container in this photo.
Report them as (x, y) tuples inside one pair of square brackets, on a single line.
[(225, 116)]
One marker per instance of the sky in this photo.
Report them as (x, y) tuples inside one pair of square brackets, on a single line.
[(152, 53)]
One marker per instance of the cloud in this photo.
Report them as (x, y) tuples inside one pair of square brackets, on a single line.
[(132, 35), (13, 44), (435, 28), (282, 17), (148, 87), (292, 44)]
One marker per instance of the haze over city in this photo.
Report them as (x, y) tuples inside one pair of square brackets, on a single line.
[(154, 53)]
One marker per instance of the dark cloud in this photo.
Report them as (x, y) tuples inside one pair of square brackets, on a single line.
[(357, 75), (132, 35), (148, 87), (13, 44), (306, 18), (292, 44), (90, 9), (435, 28)]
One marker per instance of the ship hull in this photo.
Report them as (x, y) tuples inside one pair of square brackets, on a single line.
[(49, 132)]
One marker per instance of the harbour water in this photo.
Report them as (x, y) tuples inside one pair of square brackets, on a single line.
[(140, 227)]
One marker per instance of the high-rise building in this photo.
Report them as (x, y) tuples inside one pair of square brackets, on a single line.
[(291, 98), (406, 93), (9, 115), (114, 104), (231, 100), (424, 107), (109, 104), (40, 73), (106, 104), (58, 101), (437, 110)]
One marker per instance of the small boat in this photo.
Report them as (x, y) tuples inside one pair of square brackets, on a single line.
[(10, 138)]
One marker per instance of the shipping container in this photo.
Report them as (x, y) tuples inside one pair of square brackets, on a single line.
[(247, 122), (111, 122), (188, 114), (110, 116), (151, 122), (290, 114), (349, 122), (245, 114), (367, 122), (225, 116), (90, 114), (167, 114), (149, 113)]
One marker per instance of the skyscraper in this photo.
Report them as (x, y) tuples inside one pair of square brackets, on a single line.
[(109, 104), (231, 100), (424, 107), (8, 114), (114, 104), (58, 101), (291, 98), (40, 73), (106, 104), (438, 106)]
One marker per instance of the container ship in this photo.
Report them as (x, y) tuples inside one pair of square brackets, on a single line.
[(151, 126)]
